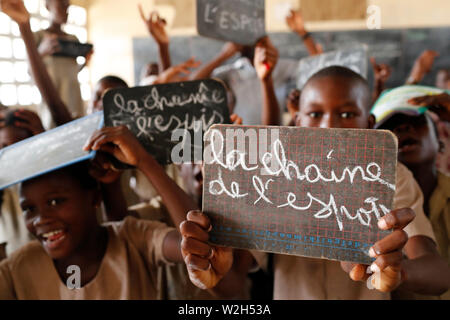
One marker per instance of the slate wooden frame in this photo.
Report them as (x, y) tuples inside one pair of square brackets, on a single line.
[(245, 223), (158, 143), (209, 25)]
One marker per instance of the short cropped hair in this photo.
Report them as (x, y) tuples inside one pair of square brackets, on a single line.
[(343, 73)]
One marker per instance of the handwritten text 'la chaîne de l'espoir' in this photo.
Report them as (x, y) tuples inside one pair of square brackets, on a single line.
[(163, 120), (289, 170)]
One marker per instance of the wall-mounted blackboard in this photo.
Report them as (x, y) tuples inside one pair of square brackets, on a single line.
[(397, 47)]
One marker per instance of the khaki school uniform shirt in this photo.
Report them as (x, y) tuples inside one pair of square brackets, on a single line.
[(301, 278), (64, 73), (173, 281), (440, 218), (13, 231), (127, 271)]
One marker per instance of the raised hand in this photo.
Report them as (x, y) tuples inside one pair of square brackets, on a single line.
[(422, 66), (206, 264), (295, 22), (266, 58), (155, 25), (381, 71), (174, 74), (119, 142), (30, 121), (16, 10), (387, 268)]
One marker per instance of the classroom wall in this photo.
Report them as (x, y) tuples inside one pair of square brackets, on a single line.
[(112, 24)]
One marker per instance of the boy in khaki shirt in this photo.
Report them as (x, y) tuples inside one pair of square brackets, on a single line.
[(335, 97)]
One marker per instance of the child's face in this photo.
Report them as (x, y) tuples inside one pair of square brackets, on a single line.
[(333, 102), (96, 103), (10, 135), (417, 140), (58, 10), (59, 213)]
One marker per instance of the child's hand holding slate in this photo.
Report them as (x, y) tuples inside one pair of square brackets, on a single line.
[(102, 169), (387, 268), (119, 142), (206, 264)]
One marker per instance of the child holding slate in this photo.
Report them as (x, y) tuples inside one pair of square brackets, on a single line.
[(63, 70), (336, 97), (117, 261)]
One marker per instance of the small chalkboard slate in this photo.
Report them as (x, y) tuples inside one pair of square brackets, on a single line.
[(355, 58), (300, 191), (73, 49), (48, 151), (239, 21), (169, 119)]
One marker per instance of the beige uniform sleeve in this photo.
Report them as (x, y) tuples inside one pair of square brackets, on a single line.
[(148, 237), (409, 195), (7, 291)]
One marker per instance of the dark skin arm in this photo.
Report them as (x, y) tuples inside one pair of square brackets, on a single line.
[(266, 58), (424, 271), (114, 202), (156, 27), (220, 270), (422, 66), (382, 72), (296, 24), (228, 51), (439, 104), (121, 143), (16, 10)]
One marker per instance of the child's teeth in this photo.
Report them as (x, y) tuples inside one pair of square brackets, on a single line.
[(50, 234)]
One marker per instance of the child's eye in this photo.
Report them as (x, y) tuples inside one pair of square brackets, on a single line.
[(55, 202), (347, 115), (315, 114), (28, 210)]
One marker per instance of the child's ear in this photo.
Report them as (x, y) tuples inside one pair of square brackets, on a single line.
[(371, 121)]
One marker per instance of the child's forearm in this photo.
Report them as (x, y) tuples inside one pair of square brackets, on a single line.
[(308, 41), (58, 109), (427, 273), (377, 90), (271, 110), (164, 56), (206, 70), (177, 202)]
